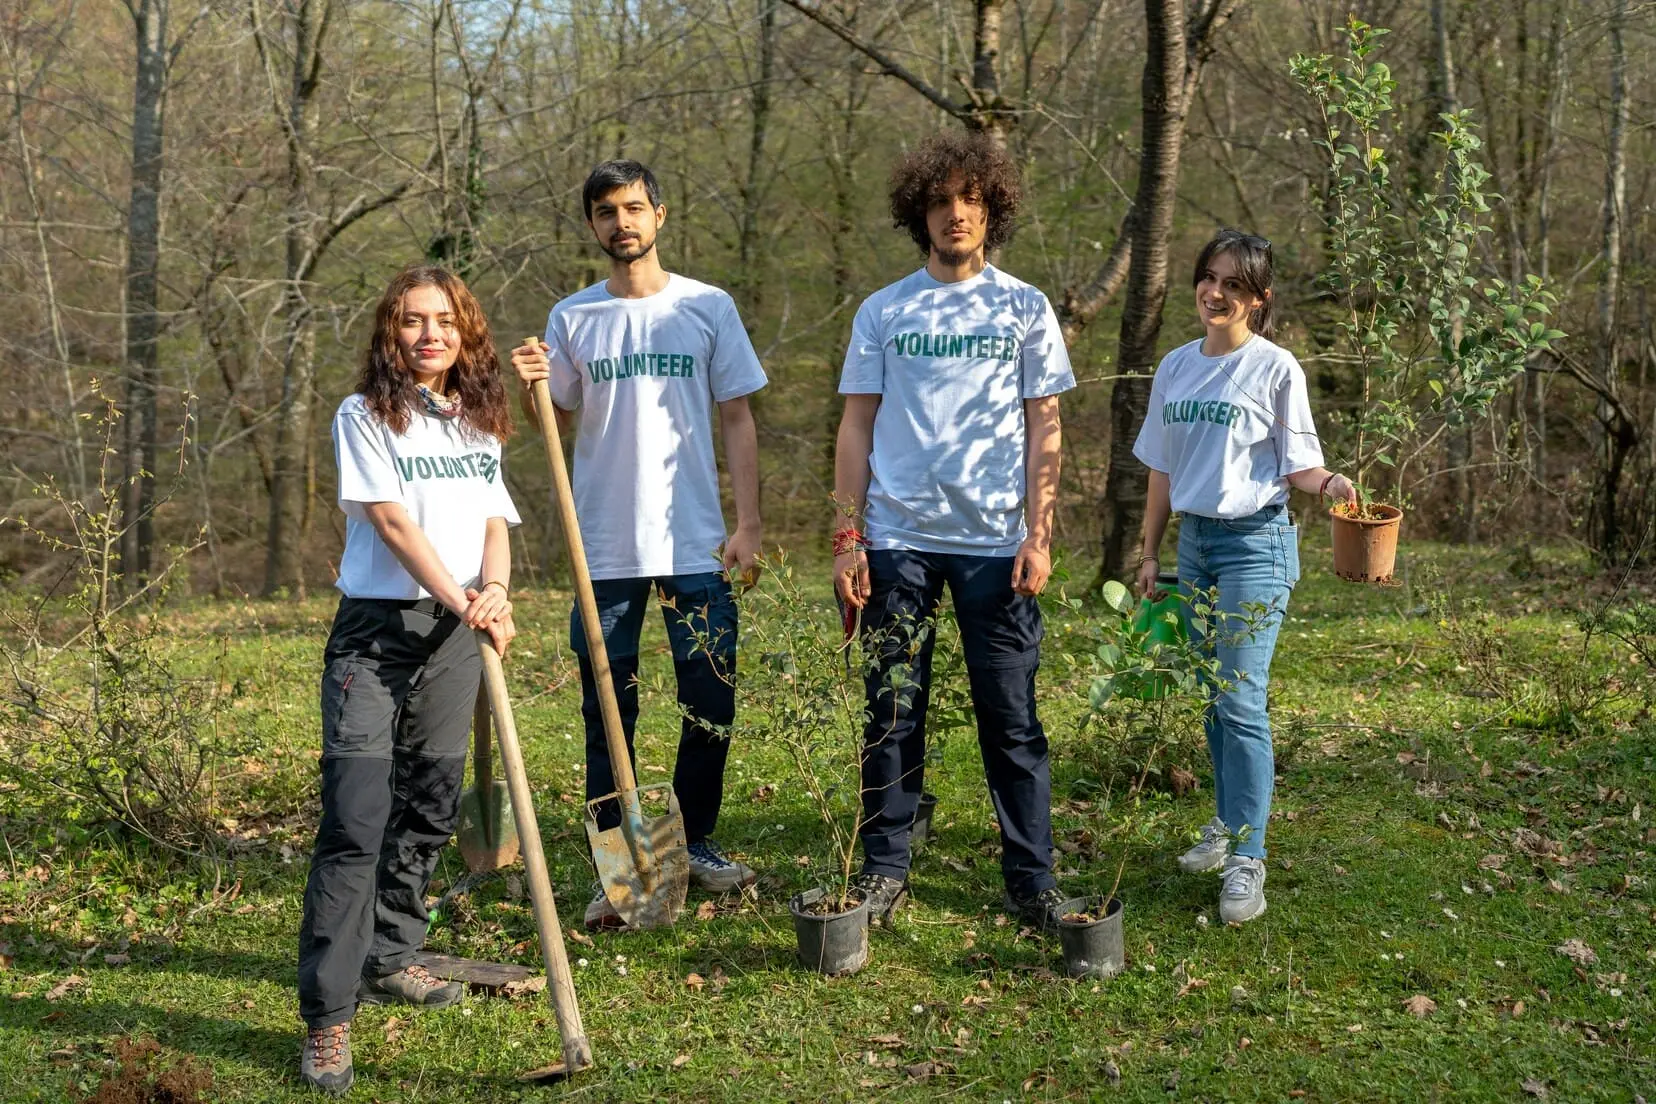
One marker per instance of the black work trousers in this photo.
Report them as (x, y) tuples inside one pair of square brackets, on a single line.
[(399, 683)]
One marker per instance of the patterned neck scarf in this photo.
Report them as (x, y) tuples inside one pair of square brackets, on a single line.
[(440, 406)]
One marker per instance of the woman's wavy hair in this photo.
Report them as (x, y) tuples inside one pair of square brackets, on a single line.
[(1252, 255), (988, 171), (388, 385)]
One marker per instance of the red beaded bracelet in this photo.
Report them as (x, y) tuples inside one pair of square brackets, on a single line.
[(849, 540)]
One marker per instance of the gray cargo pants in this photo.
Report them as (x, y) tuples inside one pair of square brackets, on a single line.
[(399, 681)]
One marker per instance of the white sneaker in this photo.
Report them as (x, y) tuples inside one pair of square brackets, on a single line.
[(712, 871), (1243, 895), (1210, 851), (601, 915)]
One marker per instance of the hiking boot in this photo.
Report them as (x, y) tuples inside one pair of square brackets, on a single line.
[(1039, 910), (601, 915), (414, 985), (884, 896), (325, 1060), (1210, 851), (1243, 895), (712, 871)]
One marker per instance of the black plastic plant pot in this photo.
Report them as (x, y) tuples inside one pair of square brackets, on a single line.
[(830, 943), (1093, 947), (920, 831)]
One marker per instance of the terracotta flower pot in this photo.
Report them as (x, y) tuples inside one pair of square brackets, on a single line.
[(1365, 549)]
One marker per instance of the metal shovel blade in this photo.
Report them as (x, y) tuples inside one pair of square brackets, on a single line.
[(488, 832), (643, 863), (488, 835)]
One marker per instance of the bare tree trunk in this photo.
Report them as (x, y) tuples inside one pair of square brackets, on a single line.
[(142, 314), (74, 446), (1173, 64), (1558, 67), (290, 458), (1617, 439), (753, 189)]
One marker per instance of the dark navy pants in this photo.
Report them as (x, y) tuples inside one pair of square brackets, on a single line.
[(398, 685), (701, 629), (1000, 634)]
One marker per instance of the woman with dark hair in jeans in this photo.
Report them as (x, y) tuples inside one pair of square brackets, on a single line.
[(1228, 431), (426, 562)]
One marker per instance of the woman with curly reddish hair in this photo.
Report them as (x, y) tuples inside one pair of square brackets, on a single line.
[(426, 562)]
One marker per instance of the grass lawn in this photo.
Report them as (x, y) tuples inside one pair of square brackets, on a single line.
[(1430, 838)]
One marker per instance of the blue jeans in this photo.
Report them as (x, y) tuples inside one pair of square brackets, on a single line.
[(1253, 561), (701, 629), (1000, 633)]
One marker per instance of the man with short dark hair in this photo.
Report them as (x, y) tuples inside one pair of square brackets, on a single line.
[(642, 359), (948, 457)]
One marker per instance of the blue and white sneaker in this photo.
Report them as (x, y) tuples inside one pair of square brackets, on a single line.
[(712, 871)]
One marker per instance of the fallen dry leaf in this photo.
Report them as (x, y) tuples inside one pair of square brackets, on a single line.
[(393, 1029), (580, 937), (706, 910), (765, 792), (523, 987), (1492, 861), (65, 987), (1193, 983), (889, 1042), (975, 1001), (117, 959), (695, 982), (920, 1071), (1535, 1088), (681, 1061), (1420, 1006), (1577, 951)]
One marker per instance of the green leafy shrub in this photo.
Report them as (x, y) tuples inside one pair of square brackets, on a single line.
[(1433, 339)]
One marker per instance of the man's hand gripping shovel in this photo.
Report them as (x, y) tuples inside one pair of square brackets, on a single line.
[(644, 863)]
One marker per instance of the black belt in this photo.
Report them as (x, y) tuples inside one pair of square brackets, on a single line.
[(424, 605)]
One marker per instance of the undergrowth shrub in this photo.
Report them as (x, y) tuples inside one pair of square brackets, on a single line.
[(101, 723)]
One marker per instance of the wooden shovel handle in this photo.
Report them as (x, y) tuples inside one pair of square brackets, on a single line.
[(564, 500), (577, 1050)]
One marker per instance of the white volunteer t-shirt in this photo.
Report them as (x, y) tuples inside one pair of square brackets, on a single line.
[(953, 364), (1229, 430), (645, 375), (448, 479)]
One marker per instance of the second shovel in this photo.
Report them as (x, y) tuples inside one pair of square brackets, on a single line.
[(643, 863)]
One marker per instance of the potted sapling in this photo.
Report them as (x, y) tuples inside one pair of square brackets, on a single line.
[(1432, 337), (1151, 683), (807, 699)]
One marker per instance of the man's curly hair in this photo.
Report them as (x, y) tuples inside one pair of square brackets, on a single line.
[(923, 173)]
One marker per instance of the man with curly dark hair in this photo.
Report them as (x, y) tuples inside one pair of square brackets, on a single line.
[(946, 473)]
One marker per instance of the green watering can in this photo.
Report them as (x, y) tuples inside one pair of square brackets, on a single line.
[(1152, 619)]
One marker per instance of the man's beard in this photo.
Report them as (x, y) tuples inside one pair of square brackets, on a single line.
[(628, 251), (950, 255)]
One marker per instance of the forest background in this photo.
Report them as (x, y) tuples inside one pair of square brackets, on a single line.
[(199, 203)]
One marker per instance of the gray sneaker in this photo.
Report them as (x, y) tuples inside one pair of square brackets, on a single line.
[(1243, 895), (1210, 851), (713, 871), (412, 985), (325, 1061), (601, 915)]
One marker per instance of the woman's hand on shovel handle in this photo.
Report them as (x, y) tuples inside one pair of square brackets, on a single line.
[(501, 633), (483, 607)]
